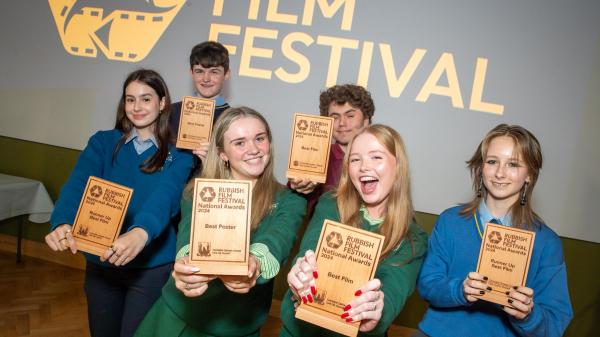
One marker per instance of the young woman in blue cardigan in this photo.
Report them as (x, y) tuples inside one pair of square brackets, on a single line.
[(123, 283), (505, 168)]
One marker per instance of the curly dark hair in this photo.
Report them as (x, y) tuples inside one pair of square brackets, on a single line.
[(355, 95)]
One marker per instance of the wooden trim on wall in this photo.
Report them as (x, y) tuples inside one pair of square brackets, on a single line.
[(39, 250)]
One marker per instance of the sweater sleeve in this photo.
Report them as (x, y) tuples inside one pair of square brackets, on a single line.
[(435, 286), (183, 229), (279, 228), (398, 274), (552, 310), (326, 209), (163, 203), (90, 163)]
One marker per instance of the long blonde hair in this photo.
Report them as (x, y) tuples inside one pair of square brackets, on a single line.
[(399, 212), (266, 186), (529, 150)]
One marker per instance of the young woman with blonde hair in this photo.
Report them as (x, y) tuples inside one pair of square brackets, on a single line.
[(373, 194), (241, 148)]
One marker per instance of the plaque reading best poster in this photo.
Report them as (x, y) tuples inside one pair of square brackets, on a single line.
[(220, 227), (309, 148), (100, 215), (504, 258), (347, 258), (195, 123)]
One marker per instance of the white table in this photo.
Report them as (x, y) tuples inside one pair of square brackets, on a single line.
[(21, 196)]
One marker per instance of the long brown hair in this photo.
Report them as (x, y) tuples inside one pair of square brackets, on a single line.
[(266, 186), (529, 150), (161, 131), (399, 211)]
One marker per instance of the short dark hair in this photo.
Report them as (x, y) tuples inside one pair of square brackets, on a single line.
[(354, 95), (210, 54)]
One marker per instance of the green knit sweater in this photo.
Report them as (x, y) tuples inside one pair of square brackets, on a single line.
[(397, 272), (220, 312)]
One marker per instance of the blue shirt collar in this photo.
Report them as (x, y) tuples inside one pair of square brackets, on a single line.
[(486, 216), (140, 145), (133, 134), (218, 100)]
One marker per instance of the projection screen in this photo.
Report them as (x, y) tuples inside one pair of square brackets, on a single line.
[(441, 73)]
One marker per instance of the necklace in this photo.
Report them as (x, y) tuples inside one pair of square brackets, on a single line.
[(477, 225)]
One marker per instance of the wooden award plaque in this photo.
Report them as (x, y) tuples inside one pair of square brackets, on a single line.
[(220, 228), (195, 123), (100, 215), (309, 148), (504, 258), (347, 258)]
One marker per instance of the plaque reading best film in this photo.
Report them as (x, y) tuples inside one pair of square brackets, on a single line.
[(220, 232), (504, 258), (309, 148), (195, 123), (100, 215), (347, 258)]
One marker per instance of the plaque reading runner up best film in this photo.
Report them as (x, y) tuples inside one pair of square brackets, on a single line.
[(347, 258), (309, 148), (100, 215), (220, 227), (504, 258)]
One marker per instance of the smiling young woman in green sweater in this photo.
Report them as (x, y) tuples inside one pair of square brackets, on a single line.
[(374, 194), (213, 305)]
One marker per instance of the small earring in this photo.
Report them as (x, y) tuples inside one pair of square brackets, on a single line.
[(480, 189), (227, 163), (524, 194)]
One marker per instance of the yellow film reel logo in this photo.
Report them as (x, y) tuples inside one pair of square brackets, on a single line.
[(122, 35)]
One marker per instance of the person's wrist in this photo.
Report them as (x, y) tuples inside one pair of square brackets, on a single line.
[(140, 233)]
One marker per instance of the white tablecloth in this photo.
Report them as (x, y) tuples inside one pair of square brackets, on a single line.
[(19, 196)]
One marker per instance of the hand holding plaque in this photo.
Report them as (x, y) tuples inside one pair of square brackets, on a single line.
[(195, 123), (100, 215), (242, 284), (309, 148), (220, 228), (504, 259), (187, 279), (347, 258)]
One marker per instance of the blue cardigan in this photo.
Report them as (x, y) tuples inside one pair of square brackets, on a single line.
[(453, 251), (155, 200)]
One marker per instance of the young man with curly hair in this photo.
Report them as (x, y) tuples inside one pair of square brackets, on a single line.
[(352, 108)]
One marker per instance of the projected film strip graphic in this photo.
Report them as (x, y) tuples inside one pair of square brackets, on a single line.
[(120, 34)]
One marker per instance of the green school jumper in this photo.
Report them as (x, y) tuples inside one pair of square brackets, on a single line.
[(220, 312), (397, 272)]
